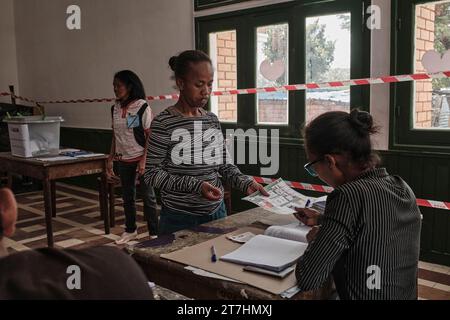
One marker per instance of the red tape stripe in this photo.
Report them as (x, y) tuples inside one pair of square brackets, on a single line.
[(384, 79)]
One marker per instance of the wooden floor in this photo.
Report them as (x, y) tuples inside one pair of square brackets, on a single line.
[(78, 225)]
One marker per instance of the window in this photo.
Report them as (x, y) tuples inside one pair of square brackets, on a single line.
[(420, 108), (223, 55), (431, 97), (271, 71), (283, 44), (327, 59)]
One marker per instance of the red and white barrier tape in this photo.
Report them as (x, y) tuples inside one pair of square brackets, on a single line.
[(326, 189), (291, 87)]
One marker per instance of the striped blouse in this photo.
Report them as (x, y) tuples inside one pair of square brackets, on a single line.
[(369, 240), (181, 156)]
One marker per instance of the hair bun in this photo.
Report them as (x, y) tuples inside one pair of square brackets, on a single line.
[(173, 62), (362, 121)]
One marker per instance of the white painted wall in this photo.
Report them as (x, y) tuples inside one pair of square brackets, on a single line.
[(8, 61), (56, 63)]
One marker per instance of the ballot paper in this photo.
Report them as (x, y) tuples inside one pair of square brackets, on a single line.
[(283, 199)]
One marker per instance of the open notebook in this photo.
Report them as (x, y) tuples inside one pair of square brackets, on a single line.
[(273, 253)]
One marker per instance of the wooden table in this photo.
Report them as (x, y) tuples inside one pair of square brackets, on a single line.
[(49, 171), (174, 276)]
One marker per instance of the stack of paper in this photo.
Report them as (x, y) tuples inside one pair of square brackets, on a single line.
[(283, 199), (267, 252)]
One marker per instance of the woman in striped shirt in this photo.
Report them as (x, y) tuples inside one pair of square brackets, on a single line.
[(369, 234), (187, 156)]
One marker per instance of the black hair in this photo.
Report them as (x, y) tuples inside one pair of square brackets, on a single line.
[(133, 83), (343, 133), (180, 64)]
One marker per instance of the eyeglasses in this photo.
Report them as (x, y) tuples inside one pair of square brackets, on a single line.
[(309, 167)]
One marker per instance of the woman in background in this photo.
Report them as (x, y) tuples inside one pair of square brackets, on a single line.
[(190, 184), (369, 237), (131, 119)]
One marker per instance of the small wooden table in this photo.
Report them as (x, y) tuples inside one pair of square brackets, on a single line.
[(174, 276), (49, 171)]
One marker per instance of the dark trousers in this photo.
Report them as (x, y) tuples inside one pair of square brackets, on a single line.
[(127, 173)]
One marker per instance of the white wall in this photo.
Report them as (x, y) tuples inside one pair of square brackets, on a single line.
[(8, 61), (54, 62)]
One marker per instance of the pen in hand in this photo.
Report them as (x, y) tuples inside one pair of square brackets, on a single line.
[(213, 254)]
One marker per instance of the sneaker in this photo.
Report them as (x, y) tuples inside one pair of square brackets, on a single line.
[(126, 237)]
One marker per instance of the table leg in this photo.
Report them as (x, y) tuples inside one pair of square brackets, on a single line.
[(48, 211), (53, 192), (101, 194), (104, 202)]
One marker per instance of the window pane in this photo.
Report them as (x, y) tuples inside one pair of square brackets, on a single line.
[(432, 97), (327, 59), (271, 71), (223, 55)]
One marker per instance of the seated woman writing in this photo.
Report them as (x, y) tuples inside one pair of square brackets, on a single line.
[(369, 237), (187, 156)]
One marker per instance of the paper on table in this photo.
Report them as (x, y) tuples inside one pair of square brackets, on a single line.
[(294, 231), (280, 274), (57, 158), (204, 273), (68, 150), (241, 238), (89, 155), (267, 252)]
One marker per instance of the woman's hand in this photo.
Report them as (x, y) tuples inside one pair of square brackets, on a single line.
[(210, 192), (110, 175), (312, 234), (140, 169), (255, 186), (307, 216)]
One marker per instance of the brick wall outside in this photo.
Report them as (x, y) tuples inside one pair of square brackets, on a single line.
[(226, 74), (315, 107), (271, 110), (425, 16)]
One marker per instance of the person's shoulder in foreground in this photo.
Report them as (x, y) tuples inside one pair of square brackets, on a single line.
[(93, 273)]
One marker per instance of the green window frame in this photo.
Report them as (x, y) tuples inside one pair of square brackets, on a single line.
[(403, 135), (294, 13)]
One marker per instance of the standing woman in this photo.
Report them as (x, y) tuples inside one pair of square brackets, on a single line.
[(131, 119), (191, 190), (369, 238)]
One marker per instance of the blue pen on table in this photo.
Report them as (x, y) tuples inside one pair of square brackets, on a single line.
[(213, 254)]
